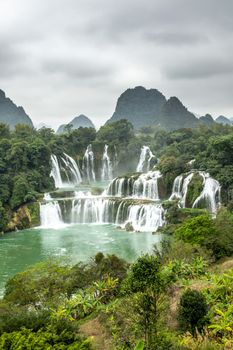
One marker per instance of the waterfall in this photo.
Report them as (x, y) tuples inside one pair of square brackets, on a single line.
[(146, 217), (72, 170), (55, 172), (140, 186), (50, 215), (210, 194), (177, 188), (100, 210), (66, 172), (106, 173), (209, 197), (180, 188), (88, 164), (146, 186), (145, 159), (185, 189)]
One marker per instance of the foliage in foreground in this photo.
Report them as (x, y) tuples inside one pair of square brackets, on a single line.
[(46, 304)]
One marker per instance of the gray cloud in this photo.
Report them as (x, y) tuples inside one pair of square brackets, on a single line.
[(60, 58), (200, 69)]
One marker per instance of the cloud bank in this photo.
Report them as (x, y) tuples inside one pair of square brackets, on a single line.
[(61, 58)]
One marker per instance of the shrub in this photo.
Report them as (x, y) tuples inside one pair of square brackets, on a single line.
[(192, 311)]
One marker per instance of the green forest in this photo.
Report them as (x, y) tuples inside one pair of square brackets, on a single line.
[(178, 297)]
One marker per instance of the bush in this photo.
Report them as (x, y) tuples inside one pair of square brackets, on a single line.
[(43, 339), (192, 311), (196, 230)]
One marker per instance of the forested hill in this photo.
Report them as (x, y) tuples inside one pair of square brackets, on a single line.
[(11, 114)]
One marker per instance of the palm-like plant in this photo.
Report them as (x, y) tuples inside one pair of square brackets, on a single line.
[(224, 322)]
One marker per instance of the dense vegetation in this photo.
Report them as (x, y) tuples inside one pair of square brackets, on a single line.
[(25, 156), (176, 298), (151, 304)]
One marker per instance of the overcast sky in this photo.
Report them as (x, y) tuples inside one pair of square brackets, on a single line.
[(61, 58)]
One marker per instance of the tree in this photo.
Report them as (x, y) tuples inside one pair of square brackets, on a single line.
[(146, 278), (116, 133), (22, 192)]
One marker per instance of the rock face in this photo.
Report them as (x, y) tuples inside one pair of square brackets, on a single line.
[(77, 122), (144, 107), (223, 120), (11, 114), (207, 119)]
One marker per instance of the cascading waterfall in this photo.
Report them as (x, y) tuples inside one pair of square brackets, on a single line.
[(106, 173), (55, 172), (146, 217), (177, 188), (210, 194), (142, 186), (145, 159), (99, 210), (209, 197), (72, 170), (66, 167), (88, 164), (186, 182), (50, 215), (146, 186), (180, 189)]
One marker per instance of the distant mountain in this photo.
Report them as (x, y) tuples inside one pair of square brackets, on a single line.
[(174, 115), (77, 122), (42, 125), (207, 119), (139, 105), (223, 120), (144, 107), (11, 114)]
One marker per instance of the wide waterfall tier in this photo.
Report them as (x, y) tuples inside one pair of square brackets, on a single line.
[(209, 196), (146, 156), (137, 186), (88, 166), (142, 216), (65, 171), (106, 172)]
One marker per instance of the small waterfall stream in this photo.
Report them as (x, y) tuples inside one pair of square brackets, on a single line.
[(145, 159), (88, 164), (106, 173), (210, 195), (65, 171)]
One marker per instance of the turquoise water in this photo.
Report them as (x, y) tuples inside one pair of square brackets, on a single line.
[(18, 250)]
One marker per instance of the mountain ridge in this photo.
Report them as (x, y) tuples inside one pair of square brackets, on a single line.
[(11, 114)]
